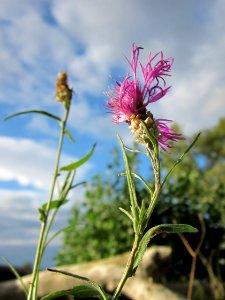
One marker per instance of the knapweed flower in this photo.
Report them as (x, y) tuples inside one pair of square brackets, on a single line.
[(128, 99), (63, 92)]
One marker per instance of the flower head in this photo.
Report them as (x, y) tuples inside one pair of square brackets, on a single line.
[(63, 92), (128, 99)]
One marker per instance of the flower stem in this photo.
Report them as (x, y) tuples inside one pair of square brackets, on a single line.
[(128, 272), (32, 295)]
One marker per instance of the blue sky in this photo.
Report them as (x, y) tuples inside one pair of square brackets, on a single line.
[(88, 39)]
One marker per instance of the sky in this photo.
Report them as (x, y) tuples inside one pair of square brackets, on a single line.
[(89, 39)]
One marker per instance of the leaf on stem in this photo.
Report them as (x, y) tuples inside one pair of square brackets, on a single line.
[(147, 185), (67, 132), (64, 229), (134, 150), (42, 112), (126, 213), (92, 289), (79, 292), (54, 204), (173, 228), (17, 275), (67, 184), (80, 162), (163, 228), (181, 158), (78, 184), (131, 186), (142, 211), (42, 215)]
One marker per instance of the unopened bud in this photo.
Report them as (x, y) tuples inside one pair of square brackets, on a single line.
[(63, 92)]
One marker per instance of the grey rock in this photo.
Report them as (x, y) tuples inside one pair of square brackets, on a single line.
[(107, 273)]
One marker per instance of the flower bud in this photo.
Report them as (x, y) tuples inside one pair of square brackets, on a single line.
[(63, 92)]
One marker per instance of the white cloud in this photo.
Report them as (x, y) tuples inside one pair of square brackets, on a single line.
[(18, 216), (193, 35), (19, 219), (31, 163), (88, 39)]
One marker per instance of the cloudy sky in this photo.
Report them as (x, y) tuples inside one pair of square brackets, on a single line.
[(88, 39)]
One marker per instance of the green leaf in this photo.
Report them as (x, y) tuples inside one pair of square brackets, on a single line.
[(92, 284), (142, 211), (134, 150), (131, 186), (42, 215), (55, 204), (173, 228), (126, 213), (79, 163), (79, 292), (17, 275), (67, 132), (78, 184), (64, 229), (163, 228), (180, 159), (42, 112), (68, 181), (147, 185)]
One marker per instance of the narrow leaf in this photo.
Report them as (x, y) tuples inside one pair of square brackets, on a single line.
[(173, 228), (78, 184), (134, 150), (180, 159), (55, 204), (80, 162), (17, 275), (142, 211), (90, 282), (130, 182), (79, 292), (58, 233), (164, 228), (42, 112), (42, 215), (67, 182), (147, 185), (67, 132), (126, 213)]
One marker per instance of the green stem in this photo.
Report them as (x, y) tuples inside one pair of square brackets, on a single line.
[(32, 295), (48, 227), (128, 272), (156, 168)]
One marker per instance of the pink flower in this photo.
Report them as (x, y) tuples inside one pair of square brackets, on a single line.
[(129, 98), (165, 134)]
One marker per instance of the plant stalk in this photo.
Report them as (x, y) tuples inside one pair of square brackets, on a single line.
[(32, 295), (128, 272)]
